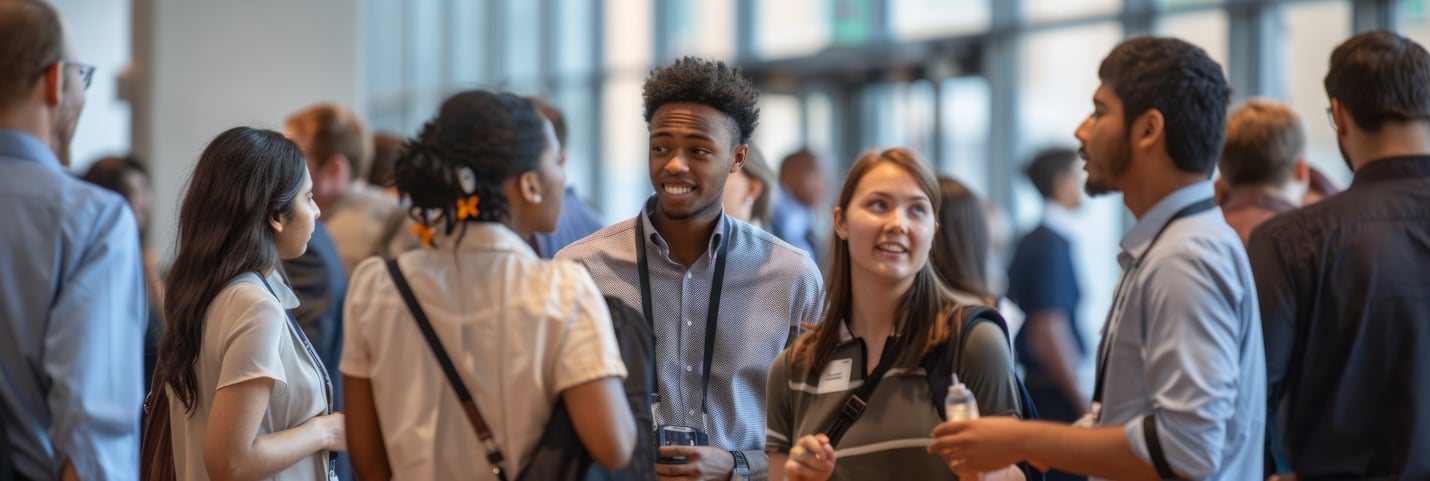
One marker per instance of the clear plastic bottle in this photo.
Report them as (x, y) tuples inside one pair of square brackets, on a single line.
[(959, 405)]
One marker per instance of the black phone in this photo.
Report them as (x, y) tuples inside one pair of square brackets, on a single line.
[(677, 436)]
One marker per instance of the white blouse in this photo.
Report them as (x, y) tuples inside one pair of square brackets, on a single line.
[(247, 336), (519, 329)]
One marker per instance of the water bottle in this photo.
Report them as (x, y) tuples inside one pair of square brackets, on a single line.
[(959, 405)]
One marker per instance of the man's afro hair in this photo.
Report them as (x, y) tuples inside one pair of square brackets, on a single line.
[(707, 82)]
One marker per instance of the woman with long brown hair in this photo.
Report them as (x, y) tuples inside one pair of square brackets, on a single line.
[(885, 311), (248, 397)]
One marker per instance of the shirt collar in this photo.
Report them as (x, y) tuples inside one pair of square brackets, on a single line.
[(1254, 198), (483, 236), (21, 145), (1391, 168), (1058, 218), (1136, 242), (652, 235), (281, 290)]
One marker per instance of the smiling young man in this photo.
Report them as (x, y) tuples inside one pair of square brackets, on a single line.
[(1181, 367), (691, 268)]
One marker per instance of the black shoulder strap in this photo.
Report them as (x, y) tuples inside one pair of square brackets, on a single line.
[(484, 433), (971, 316), (7, 470), (859, 401)]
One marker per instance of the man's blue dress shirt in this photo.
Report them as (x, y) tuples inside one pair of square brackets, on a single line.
[(71, 321)]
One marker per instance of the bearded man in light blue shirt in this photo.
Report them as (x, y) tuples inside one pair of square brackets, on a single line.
[(1181, 385), (73, 316)]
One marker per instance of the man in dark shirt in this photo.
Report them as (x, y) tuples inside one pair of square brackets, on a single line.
[(1043, 281), (1345, 284)]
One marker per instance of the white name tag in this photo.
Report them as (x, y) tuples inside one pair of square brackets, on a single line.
[(836, 377)]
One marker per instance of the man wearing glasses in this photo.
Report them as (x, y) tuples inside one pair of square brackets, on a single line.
[(1343, 283), (72, 320)]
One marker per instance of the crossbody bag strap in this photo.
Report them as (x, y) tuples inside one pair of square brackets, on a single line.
[(859, 401), (484, 433)]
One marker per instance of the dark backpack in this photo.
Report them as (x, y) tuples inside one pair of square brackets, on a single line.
[(943, 362), (637, 343)]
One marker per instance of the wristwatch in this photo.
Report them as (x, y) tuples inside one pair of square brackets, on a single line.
[(742, 466)]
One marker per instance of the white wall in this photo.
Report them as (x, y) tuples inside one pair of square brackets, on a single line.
[(99, 30), (216, 65)]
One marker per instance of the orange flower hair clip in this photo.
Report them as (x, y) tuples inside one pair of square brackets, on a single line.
[(424, 232), (467, 208)]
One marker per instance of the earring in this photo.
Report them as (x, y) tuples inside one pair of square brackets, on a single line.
[(536, 199), (467, 208), (423, 232)]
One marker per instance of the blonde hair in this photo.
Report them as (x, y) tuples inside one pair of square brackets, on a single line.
[(332, 130), (1264, 139)]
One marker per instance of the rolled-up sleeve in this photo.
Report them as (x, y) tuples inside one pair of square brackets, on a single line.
[(1192, 367), (93, 352)]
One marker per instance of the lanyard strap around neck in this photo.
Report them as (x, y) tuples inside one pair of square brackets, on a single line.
[(712, 314), (1105, 349), (317, 364)]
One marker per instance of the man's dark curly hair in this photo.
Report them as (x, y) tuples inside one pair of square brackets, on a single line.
[(1179, 80), (706, 82)]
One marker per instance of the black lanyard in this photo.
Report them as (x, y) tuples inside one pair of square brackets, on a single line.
[(317, 362), (1105, 349), (711, 315)]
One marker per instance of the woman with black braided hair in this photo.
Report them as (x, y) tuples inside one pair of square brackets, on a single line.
[(521, 332)]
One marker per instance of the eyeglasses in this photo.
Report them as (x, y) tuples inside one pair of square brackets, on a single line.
[(1331, 117), (86, 72)]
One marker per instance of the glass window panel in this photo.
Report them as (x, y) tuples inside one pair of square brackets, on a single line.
[(1206, 29), (521, 48), (424, 65), (900, 115), (577, 103), (1058, 73), (1185, 3), (820, 126), (574, 55), (1309, 33), (624, 163), (703, 28), (467, 24), (384, 42), (779, 131), (922, 19), (787, 28), (966, 112), (629, 35), (1051, 10)]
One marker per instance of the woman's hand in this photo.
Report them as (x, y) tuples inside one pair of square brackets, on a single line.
[(334, 430), (811, 459)]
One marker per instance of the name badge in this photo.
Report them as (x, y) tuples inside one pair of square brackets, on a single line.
[(836, 377)]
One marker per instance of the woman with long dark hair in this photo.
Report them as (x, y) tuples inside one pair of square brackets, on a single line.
[(248, 398), (883, 304), (522, 333), (960, 247)]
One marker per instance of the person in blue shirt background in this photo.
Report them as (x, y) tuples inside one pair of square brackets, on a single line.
[(578, 219), (72, 323)]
